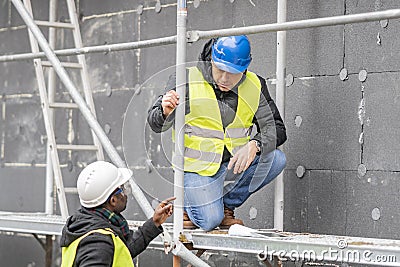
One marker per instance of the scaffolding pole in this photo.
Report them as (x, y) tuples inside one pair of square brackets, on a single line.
[(178, 160), (94, 49), (194, 36), (280, 102), (296, 25), (50, 192)]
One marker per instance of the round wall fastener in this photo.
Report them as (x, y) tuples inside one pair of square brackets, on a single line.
[(362, 75), (158, 7), (252, 213), (108, 91), (362, 170), (384, 23), (196, 3), (344, 74), (376, 214), (298, 120), (107, 128), (289, 79), (300, 171), (139, 10)]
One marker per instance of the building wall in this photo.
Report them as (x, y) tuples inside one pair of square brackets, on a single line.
[(343, 149)]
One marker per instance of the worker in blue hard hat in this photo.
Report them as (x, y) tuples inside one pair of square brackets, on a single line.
[(232, 131)]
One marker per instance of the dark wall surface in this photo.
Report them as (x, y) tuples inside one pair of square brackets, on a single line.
[(342, 109)]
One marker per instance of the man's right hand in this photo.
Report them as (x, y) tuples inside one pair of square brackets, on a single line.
[(163, 211), (169, 102)]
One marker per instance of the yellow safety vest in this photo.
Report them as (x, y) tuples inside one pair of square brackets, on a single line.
[(122, 256), (205, 137)]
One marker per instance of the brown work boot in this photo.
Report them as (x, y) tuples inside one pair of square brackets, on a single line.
[(187, 223), (229, 219)]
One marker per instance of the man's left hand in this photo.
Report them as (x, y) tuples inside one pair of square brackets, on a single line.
[(243, 158), (163, 211)]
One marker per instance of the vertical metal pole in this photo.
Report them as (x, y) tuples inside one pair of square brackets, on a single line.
[(49, 250), (50, 194), (280, 101), (181, 17)]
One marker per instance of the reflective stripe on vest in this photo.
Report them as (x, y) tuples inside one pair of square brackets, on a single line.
[(122, 256), (205, 138)]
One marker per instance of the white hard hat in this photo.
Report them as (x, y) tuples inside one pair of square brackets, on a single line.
[(98, 180)]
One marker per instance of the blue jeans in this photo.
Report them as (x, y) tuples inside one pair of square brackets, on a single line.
[(206, 196)]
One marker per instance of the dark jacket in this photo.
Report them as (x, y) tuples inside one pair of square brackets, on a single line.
[(98, 249), (271, 131)]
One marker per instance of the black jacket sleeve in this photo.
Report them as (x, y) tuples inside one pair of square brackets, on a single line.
[(270, 126), (140, 239), (155, 117)]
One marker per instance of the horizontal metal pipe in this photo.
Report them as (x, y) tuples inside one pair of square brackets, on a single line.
[(299, 24), (197, 35), (94, 49)]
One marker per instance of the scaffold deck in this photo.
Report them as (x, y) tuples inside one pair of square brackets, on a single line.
[(265, 244)]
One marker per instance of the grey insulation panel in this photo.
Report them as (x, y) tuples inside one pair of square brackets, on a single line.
[(114, 69), (371, 201), (4, 14), (322, 123), (156, 59), (317, 51), (295, 201), (369, 45), (10, 245), (381, 124), (325, 188), (25, 135), (258, 211), (22, 189)]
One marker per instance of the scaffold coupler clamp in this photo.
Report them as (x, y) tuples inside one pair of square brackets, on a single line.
[(167, 240)]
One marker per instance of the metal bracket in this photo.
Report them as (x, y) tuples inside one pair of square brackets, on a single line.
[(192, 36), (168, 242)]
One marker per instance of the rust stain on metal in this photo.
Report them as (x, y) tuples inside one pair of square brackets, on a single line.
[(183, 239), (359, 243), (218, 232), (293, 234)]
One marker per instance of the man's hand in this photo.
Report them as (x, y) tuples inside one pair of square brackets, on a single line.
[(243, 157), (163, 211), (169, 102)]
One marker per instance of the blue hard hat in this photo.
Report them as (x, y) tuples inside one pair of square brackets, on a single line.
[(232, 53)]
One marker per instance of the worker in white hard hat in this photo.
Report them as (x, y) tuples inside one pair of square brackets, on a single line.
[(97, 234)]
